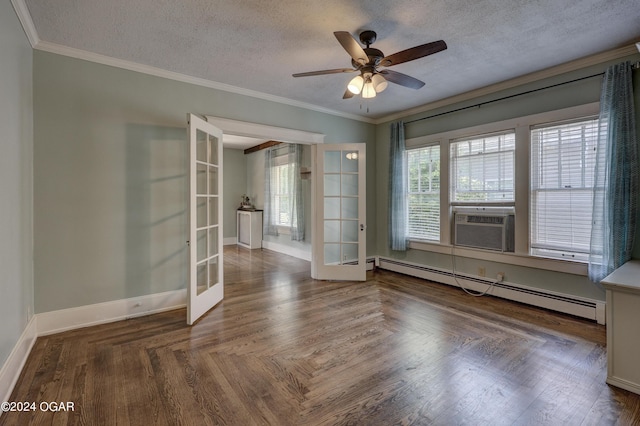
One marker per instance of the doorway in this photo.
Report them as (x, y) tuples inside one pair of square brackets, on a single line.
[(245, 132), (347, 266)]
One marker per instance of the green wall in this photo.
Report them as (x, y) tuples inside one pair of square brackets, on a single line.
[(109, 175), (573, 94), (16, 188), (235, 183)]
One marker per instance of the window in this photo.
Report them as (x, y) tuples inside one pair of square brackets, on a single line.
[(482, 169), (424, 193), (554, 161), (281, 180), (562, 177), (283, 202)]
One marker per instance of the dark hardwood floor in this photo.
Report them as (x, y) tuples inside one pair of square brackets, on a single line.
[(283, 349)]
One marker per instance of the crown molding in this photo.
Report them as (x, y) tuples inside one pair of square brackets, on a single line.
[(575, 65), (263, 131), (46, 46), (27, 23)]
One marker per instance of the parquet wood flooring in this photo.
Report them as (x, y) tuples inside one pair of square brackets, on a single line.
[(283, 349)]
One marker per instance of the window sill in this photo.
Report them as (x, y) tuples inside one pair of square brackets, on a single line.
[(519, 259)]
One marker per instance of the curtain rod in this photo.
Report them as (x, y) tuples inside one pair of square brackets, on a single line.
[(634, 66)]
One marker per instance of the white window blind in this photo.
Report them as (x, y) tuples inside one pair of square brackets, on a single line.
[(562, 176), (424, 193), (482, 168), (282, 195)]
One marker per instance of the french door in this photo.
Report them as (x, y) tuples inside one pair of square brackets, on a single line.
[(339, 240), (206, 283)]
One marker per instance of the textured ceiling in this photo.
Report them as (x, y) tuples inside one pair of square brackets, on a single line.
[(258, 44)]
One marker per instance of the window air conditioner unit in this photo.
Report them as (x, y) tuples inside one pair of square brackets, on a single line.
[(485, 231)]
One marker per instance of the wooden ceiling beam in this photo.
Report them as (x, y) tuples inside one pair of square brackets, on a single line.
[(264, 145)]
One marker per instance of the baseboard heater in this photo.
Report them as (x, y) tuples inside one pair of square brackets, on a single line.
[(573, 305), (370, 263)]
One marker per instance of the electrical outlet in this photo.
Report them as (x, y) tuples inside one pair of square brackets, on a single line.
[(482, 272), (500, 277)]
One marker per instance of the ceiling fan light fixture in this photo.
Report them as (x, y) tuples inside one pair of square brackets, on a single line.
[(368, 91), (356, 84), (379, 83)]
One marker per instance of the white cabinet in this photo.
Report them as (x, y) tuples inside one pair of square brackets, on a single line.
[(623, 320), (250, 228)]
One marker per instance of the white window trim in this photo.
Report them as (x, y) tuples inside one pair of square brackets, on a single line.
[(522, 126), (557, 265)]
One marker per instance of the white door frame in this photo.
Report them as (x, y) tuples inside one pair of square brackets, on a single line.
[(262, 131)]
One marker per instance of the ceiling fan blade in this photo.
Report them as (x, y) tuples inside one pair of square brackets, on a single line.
[(413, 53), (402, 79), (352, 47), (348, 94), (334, 71)]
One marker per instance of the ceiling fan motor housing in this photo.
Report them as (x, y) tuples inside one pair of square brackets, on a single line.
[(374, 56)]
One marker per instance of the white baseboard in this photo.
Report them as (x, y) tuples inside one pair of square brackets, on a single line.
[(230, 241), (15, 362), (284, 249), (101, 313), (566, 303), (624, 384)]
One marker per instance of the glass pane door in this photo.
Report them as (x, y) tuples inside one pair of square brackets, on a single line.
[(340, 195), (205, 254)]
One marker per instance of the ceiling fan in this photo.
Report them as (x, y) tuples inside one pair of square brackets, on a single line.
[(366, 61)]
